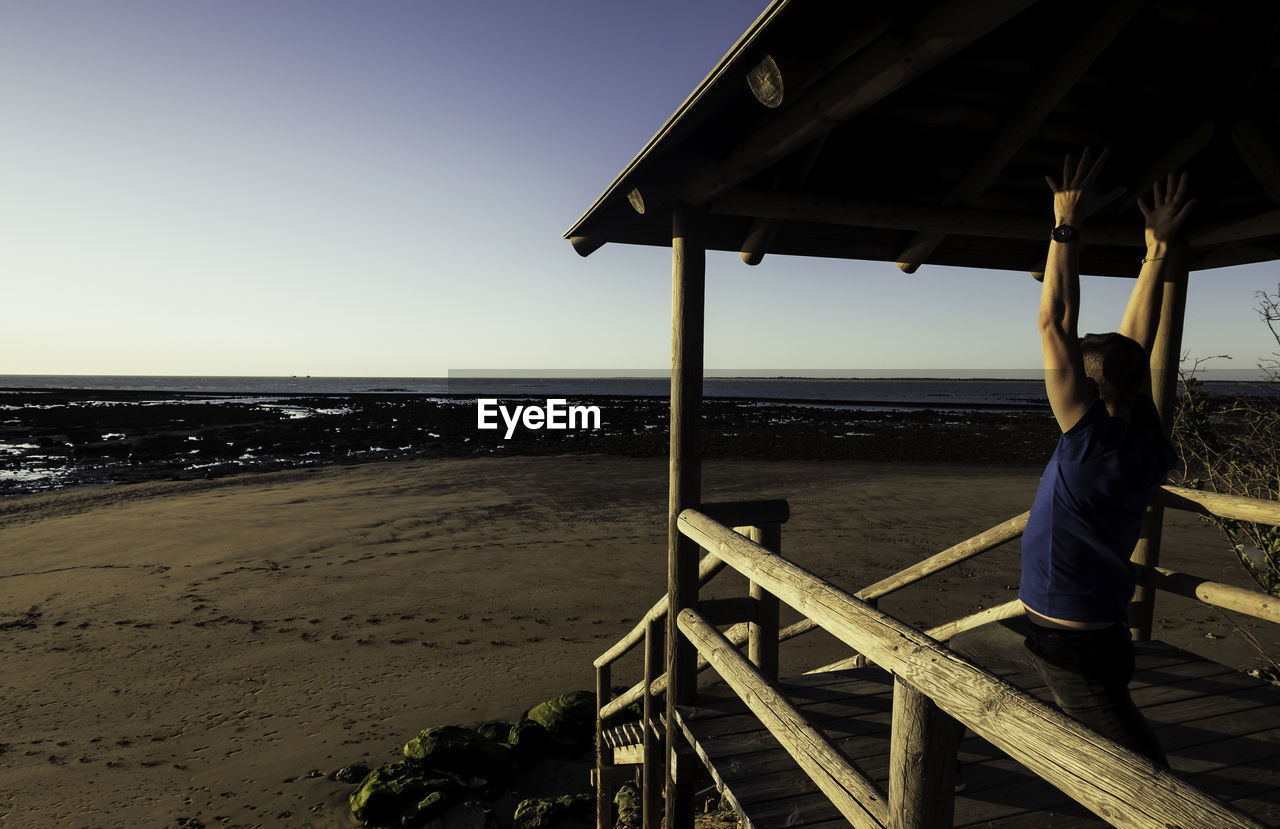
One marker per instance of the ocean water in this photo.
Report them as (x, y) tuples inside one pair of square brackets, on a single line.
[(1022, 389)]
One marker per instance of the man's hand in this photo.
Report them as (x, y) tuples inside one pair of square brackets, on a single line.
[(1073, 200), (1167, 212)]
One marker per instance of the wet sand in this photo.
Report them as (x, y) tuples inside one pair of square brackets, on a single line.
[(205, 652)]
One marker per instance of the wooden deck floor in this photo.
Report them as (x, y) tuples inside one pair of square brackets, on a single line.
[(1220, 729)]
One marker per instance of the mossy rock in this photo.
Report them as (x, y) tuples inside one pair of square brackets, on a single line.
[(530, 742), (570, 718), (551, 812), (495, 730), (460, 751), (626, 805), (401, 794)]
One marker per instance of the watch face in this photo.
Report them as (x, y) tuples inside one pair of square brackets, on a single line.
[(1064, 233)]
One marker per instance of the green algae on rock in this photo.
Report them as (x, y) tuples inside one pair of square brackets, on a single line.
[(495, 730), (401, 794), (569, 717), (627, 806), (550, 812), (460, 751), (530, 742)]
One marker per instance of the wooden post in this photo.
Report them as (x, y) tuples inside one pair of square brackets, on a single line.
[(922, 762), (604, 754), (1165, 355), (762, 635), (688, 297), (652, 774)]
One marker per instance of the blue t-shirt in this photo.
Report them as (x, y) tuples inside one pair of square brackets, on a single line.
[(1088, 514)]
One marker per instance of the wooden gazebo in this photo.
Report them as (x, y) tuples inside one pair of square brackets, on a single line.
[(919, 133)]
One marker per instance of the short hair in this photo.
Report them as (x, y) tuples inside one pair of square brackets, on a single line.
[(1116, 364)]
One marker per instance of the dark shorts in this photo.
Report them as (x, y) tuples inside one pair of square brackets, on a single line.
[(1087, 672)]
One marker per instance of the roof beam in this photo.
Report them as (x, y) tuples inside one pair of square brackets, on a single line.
[(1240, 230), (1053, 86), (1259, 154), (760, 237), (1175, 157), (962, 221), (884, 67)]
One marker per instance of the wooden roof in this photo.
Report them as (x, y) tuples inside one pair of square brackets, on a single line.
[(920, 133)]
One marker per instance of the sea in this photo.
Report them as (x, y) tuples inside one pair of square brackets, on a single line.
[(930, 389), (58, 431)]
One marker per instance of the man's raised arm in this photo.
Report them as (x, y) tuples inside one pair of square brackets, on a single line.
[(1068, 388), (1163, 218)]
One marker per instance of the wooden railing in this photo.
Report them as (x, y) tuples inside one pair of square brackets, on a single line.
[(761, 521), (1115, 783)]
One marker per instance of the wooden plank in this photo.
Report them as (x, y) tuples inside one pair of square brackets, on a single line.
[(762, 634), (1211, 709), (604, 753), (921, 762), (965, 550), (1166, 352), (652, 774), (1111, 781), (688, 298), (1258, 152), (1219, 504), (707, 568), (860, 802), (869, 708), (871, 75), (851, 212), (1096, 32), (1249, 602)]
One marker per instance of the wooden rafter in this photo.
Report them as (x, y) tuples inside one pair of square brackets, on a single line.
[(1053, 86), (1258, 152), (803, 207), (1175, 157), (885, 66), (1242, 230), (760, 237)]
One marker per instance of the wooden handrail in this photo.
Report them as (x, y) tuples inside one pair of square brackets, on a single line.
[(1218, 504), (737, 635), (1249, 602), (707, 569), (941, 633), (1120, 786), (743, 515), (965, 550), (998, 613), (859, 800)]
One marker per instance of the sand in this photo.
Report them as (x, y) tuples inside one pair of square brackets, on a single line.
[(204, 653)]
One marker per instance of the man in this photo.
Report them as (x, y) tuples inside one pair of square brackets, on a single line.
[(1076, 576)]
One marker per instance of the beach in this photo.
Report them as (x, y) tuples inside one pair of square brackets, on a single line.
[(207, 652)]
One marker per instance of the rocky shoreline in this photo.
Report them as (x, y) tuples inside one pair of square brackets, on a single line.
[(54, 439)]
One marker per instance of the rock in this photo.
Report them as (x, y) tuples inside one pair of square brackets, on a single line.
[(530, 742), (353, 773), (552, 812), (469, 815), (460, 751), (495, 730), (401, 794), (570, 718), (626, 804)]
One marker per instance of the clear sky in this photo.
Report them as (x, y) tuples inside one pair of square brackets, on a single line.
[(379, 188)]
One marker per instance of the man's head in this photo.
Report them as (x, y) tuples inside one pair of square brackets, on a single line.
[(1116, 364)]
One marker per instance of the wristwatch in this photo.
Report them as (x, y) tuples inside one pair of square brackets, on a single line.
[(1064, 234)]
